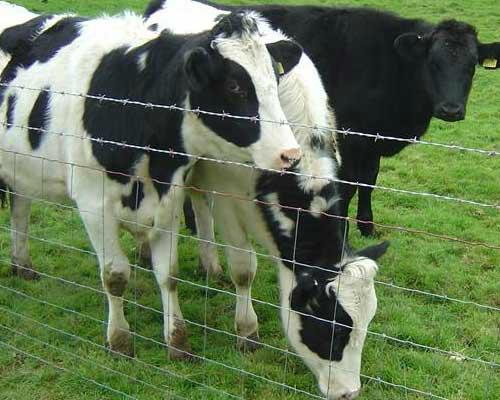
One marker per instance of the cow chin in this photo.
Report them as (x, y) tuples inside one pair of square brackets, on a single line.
[(341, 380)]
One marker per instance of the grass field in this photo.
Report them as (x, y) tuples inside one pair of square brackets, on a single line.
[(414, 261)]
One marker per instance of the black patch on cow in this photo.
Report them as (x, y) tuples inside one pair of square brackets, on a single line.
[(161, 82), (27, 48), (153, 27), (152, 7), (235, 94), (18, 39), (11, 104), (38, 119), (133, 201)]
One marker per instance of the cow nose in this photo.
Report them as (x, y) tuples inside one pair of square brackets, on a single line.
[(350, 395), (290, 158), (451, 112)]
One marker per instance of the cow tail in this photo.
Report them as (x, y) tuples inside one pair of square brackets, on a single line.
[(4, 189)]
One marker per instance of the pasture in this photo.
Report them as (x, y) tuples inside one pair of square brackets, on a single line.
[(70, 337)]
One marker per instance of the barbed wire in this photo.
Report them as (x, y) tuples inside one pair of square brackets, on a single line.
[(198, 111), (173, 153), (236, 197)]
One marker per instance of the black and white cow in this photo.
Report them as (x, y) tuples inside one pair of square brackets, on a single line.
[(310, 300), (54, 145), (384, 74)]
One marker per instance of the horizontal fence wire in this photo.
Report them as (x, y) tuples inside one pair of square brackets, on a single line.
[(263, 255), (367, 377), (236, 197), (275, 306), (207, 287)]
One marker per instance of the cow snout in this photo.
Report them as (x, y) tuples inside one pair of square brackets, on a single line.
[(290, 158), (451, 112)]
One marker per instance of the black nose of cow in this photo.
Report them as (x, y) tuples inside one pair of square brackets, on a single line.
[(450, 112)]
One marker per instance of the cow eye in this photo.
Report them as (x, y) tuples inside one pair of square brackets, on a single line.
[(234, 88)]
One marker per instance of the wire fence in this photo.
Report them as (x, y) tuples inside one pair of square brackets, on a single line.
[(29, 308)]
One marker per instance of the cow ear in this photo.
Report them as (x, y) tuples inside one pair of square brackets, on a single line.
[(411, 46), (286, 53), (489, 55), (198, 69), (306, 289)]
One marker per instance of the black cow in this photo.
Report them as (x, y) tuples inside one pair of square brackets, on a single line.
[(385, 75)]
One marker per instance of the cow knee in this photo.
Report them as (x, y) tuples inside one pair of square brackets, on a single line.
[(243, 278)]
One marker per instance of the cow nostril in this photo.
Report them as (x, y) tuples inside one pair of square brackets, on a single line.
[(451, 109), (290, 158)]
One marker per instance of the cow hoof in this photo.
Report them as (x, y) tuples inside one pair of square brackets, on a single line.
[(121, 343), (179, 348), (366, 228), (25, 271), (249, 344)]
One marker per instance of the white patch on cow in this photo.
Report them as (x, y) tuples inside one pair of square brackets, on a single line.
[(320, 205), (286, 224), (142, 61)]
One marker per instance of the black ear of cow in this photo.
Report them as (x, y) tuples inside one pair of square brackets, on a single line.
[(307, 288), (198, 67), (374, 252), (285, 52), (411, 46), (489, 55)]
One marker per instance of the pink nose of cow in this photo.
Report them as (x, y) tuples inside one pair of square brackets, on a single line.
[(290, 157)]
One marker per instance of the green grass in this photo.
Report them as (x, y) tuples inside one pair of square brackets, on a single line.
[(414, 261)]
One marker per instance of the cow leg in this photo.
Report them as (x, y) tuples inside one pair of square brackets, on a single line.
[(163, 242), (103, 230), (19, 221), (242, 267), (209, 259), (347, 193), (365, 214)]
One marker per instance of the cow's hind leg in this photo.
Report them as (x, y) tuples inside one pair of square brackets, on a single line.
[(19, 221), (103, 231), (207, 250)]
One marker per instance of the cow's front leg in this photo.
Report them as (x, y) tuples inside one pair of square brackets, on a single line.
[(163, 242), (369, 176), (242, 263), (103, 230), (207, 250), (19, 222)]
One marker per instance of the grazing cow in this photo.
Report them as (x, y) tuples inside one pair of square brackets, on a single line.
[(384, 74), (309, 237), (106, 156)]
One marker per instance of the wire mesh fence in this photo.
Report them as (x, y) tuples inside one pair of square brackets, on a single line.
[(61, 321)]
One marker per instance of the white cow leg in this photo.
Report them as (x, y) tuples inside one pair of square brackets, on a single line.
[(19, 222), (163, 242), (209, 259), (103, 231), (242, 267)]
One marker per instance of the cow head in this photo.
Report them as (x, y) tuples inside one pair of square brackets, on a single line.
[(234, 74), (447, 56), (328, 317)]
